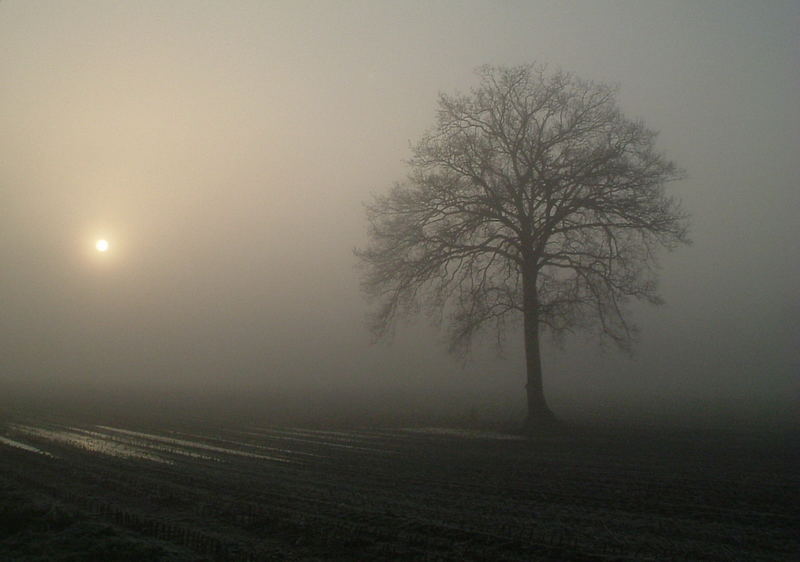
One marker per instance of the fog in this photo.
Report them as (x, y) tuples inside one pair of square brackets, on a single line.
[(225, 149)]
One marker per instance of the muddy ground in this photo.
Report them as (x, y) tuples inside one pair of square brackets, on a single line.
[(78, 491)]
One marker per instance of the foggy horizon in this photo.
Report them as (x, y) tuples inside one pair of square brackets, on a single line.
[(225, 151)]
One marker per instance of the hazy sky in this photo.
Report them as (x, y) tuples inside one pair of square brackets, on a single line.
[(225, 148)]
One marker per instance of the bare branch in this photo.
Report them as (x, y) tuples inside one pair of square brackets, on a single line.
[(533, 173)]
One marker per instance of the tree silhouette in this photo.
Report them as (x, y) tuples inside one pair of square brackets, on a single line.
[(532, 196)]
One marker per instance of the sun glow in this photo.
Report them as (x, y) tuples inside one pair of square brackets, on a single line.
[(102, 245)]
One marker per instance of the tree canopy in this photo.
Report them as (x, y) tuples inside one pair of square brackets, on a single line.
[(532, 197)]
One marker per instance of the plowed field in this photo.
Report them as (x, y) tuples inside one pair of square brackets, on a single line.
[(107, 492)]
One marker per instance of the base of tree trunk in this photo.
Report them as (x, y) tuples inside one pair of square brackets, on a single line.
[(540, 416), (543, 420)]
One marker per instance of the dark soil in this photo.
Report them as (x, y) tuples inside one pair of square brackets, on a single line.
[(400, 495)]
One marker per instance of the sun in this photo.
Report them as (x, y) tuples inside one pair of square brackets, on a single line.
[(102, 245)]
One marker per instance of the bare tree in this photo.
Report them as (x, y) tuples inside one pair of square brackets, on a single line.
[(532, 196)]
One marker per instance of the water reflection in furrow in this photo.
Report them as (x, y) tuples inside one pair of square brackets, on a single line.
[(463, 433), (249, 445), (23, 446), (303, 437), (89, 443), (150, 445), (347, 436), (194, 444)]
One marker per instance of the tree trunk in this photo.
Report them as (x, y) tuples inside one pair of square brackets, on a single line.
[(539, 414)]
